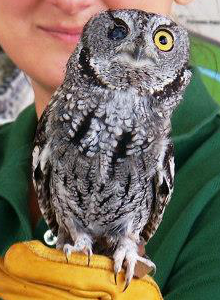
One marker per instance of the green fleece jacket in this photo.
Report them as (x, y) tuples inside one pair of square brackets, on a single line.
[(186, 247)]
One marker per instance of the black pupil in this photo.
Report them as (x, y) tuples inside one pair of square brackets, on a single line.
[(118, 33), (163, 40)]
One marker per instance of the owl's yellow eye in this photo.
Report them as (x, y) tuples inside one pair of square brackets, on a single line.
[(163, 39)]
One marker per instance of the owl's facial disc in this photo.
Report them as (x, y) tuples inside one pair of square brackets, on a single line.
[(136, 56), (118, 31)]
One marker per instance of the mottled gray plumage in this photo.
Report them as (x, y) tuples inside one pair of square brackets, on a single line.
[(103, 160)]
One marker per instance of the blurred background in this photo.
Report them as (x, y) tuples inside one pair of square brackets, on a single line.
[(202, 18)]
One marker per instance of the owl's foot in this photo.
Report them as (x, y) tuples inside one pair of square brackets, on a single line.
[(83, 243), (127, 253)]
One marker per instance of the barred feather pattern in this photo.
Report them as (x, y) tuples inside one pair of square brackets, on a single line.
[(103, 160)]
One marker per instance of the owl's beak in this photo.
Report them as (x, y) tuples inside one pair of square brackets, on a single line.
[(139, 53), (136, 55)]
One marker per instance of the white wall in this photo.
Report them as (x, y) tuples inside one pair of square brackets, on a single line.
[(201, 16)]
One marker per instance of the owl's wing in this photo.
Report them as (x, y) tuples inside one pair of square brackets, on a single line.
[(41, 172), (51, 167), (162, 186), (42, 179)]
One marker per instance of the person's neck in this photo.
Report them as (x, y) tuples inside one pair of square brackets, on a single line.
[(42, 97)]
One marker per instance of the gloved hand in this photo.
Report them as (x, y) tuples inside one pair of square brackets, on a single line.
[(31, 270)]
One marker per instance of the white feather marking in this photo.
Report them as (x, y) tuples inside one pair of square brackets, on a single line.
[(35, 155), (44, 156), (68, 96), (172, 167), (162, 147), (66, 117)]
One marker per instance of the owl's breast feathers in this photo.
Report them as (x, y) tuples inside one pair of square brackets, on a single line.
[(98, 159)]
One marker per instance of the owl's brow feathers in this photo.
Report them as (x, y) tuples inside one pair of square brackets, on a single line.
[(111, 15)]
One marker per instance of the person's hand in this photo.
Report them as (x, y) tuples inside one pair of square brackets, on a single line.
[(31, 270)]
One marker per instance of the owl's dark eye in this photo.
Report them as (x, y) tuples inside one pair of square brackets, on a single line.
[(163, 40), (119, 31)]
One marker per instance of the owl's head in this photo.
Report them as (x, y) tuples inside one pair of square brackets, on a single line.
[(132, 48)]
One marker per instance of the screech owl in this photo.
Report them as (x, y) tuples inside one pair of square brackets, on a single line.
[(103, 164)]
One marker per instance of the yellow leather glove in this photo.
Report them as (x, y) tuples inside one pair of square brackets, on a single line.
[(31, 270)]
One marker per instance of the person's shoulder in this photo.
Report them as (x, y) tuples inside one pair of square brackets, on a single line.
[(21, 131), (16, 144), (26, 117), (202, 97)]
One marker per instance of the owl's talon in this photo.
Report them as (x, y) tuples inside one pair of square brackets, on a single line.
[(68, 249), (67, 261), (115, 276), (117, 269), (83, 244), (127, 252), (127, 282), (89, 254), (88, 261)]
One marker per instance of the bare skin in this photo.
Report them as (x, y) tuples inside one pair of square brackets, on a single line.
[(30, 35)]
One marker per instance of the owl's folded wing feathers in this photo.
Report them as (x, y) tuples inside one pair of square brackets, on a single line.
[(163, 188)]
